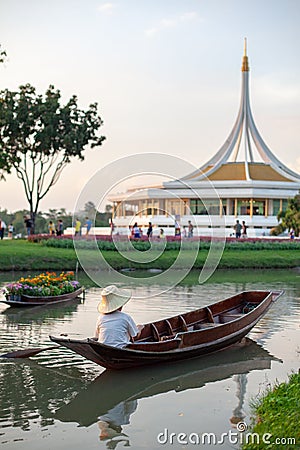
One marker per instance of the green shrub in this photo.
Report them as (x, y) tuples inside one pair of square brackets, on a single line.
[(238, 245)]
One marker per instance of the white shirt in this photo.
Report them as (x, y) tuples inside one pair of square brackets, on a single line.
[(115, 329), (120, 414)]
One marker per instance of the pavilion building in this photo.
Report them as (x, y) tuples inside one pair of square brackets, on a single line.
[(244, 180)]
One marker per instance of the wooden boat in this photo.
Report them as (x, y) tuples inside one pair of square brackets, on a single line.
[(27, 300), (189, 335)]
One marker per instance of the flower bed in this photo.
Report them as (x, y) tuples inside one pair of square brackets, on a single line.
[(43, 285)]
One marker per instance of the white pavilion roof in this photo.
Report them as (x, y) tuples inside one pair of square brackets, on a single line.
[(224, 165)]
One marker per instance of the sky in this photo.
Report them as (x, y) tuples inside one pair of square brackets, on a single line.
[(165, 74)]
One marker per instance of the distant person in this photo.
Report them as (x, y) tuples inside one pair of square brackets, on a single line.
[(191, 229), (161, 234), (2, 229), (60, 228), (244, 229), (51, 228), (28, 225), (88, 225), (112, 227), (238, 229), (114, 327), (11, 230), (292, 233), (150, 230), (77, 227), (136, 231), (131, 232), (177, 229)]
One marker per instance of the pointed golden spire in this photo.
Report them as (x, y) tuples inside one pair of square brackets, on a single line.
[(245, 65)]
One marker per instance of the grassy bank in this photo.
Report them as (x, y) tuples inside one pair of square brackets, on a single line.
[(277, 417), (23, 255)]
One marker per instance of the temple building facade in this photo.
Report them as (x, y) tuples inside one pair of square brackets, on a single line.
[(243, 181)]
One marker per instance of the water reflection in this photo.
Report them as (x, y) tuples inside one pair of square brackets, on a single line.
[(238, 413), (113, 396), (33, 394), (110, 424), (40, 314), (31, 391)]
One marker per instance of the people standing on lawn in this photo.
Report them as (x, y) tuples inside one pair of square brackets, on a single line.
[(10, 231), (244, 229), (292, 233), (51, 228), (191, 229), (60, 228), (238, 229), (2, 229), (112, 227), (77, 227), (177, 229), (136, 231), (150, 230), (88, 225), (28, 225)]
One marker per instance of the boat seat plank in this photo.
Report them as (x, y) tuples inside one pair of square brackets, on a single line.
[(155, 332), (169, 327), (209, 315), (161, 346), (183, 323), (227, 317), (203, 325)]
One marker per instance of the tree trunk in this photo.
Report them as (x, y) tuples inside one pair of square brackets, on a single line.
[(32, 213), (32, 216)]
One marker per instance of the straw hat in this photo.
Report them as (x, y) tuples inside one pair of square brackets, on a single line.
[(112, 298)]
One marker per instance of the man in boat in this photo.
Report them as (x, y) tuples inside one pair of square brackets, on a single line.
[(114, 327)]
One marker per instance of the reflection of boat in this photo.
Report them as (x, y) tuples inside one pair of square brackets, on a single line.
[(112, 389), (189, 335), (41, 313), (28, 300)]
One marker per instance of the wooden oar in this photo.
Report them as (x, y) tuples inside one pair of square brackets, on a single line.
[(27, 352)]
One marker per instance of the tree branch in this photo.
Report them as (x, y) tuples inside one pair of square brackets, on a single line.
[(59, 168)]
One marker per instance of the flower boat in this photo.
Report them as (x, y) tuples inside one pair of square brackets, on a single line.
[(46, 288), (193, 334)]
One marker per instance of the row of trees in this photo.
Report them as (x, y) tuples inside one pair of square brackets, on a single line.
[(102, 219), (39, 136)]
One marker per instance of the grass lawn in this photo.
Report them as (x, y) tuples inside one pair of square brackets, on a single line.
[(23, 255)]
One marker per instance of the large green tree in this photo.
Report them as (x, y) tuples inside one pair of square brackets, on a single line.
[(39, 136), (290, 218)]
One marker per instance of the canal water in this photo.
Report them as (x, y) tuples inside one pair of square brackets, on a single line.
[(59, 400)]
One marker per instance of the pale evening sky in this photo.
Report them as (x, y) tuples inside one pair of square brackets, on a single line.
[(166, 75)]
